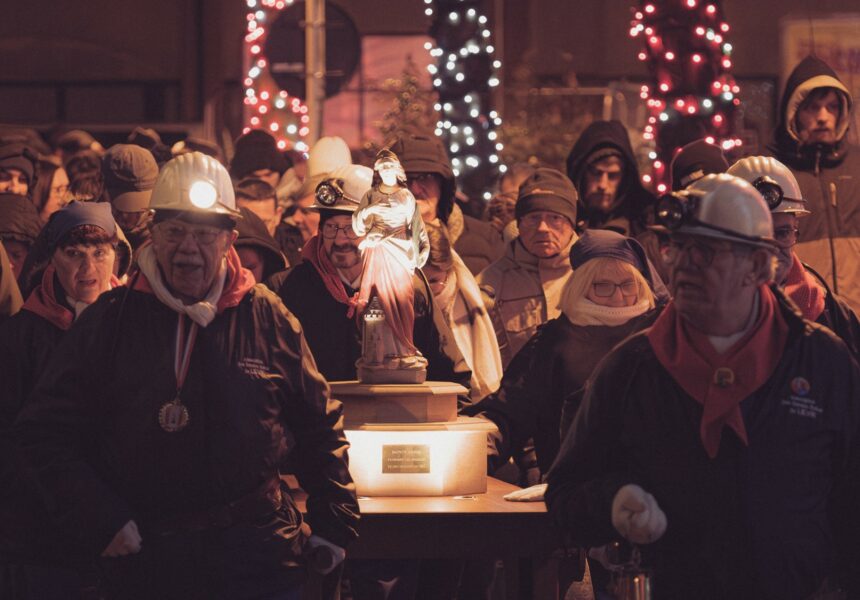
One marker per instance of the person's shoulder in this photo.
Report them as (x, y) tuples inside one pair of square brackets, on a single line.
[(496, 269), (824, 342), (20, 326), (629, 353), (292, 279)]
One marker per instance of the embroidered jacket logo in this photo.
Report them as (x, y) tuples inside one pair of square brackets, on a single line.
[(799, 403), (253, 367)]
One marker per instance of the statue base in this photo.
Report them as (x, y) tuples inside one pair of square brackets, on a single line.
[(420, 459), (394, 370), (406, 440), (431, 401)]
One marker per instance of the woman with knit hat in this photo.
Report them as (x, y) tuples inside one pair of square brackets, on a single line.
[(73, 263), (76, 251), (613, 293)]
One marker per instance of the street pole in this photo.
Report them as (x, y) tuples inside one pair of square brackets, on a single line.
[(314, 67)]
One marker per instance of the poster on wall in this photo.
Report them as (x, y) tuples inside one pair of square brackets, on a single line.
[(835, 39)]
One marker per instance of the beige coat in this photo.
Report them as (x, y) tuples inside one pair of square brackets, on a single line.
[(521, 292)]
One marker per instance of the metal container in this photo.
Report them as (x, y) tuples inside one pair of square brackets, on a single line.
[(633, 584)]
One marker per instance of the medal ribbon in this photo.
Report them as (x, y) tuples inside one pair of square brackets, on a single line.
[(182, 356)]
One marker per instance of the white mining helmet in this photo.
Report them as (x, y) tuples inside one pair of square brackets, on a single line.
[(725, 207), (344, 188), (774, 179), (194, 182)]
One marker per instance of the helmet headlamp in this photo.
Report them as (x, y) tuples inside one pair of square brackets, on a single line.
[(202, 194), (675, 209), (329, 192), (770, 190)]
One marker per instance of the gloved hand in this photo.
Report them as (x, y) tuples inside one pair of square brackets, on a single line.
[(534, 493), (126, 541), (636, 516), (324, 556)]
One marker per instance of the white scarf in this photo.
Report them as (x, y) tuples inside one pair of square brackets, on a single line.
[(473, 331), (585, 312), (202, 312)]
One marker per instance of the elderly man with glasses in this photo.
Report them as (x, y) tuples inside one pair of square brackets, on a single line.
[(322, 290), (723, 440), (159, 424), (806, 288)]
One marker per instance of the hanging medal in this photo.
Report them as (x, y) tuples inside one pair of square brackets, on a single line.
[(173, 416)]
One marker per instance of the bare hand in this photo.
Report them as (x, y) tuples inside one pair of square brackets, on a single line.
[(126, 541)]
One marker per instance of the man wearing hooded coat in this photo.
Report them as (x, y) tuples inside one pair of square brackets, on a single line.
[(811, 140)]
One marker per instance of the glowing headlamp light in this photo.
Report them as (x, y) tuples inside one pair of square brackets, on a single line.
[(203, 194)]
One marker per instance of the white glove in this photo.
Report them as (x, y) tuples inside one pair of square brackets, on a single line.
[(126, 541), (534, 493), (324, 556), (636, 516)]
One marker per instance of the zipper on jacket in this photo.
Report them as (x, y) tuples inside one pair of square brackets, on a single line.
[(829, 194)]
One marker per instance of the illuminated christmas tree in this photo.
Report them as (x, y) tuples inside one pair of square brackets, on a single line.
[(693, 94), (464, 77)]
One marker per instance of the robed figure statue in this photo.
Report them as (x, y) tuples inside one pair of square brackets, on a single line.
[(395, 244)]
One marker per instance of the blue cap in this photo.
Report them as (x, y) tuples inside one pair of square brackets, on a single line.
[(604, 243), (76, 214)]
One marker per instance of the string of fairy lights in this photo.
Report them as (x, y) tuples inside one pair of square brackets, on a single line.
[(694, 94), (266, 105), (464, 74)]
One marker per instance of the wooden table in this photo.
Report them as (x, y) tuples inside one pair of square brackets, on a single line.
[(461, 527), (479, 526)]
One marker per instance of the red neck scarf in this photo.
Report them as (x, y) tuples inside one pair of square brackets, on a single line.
[(239, 281), (314, 253), (803, 289), (43, 301), (719, 382)]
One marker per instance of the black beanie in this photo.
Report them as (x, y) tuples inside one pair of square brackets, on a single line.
[(19, 156), (547, 189), (694, 161), (254, 151)]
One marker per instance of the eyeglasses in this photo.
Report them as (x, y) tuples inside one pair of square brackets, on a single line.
[(700, 254), (176, 234), (605, 289), (534, 219), (786, 237), (330, 231)]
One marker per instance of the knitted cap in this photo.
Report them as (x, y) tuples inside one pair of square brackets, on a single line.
[(129, 173), (254, 151), (547, 189), (18, 156)]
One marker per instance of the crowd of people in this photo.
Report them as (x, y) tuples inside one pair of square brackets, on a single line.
[(679, 374)]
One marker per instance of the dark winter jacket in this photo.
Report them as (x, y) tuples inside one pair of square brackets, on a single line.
[(829, 179), (10, 294), (838, 317), (633, 213), (335, 339), (253, 234), (254, 395), (554, 364), (290, 241), (754, 522), (27, 342)]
